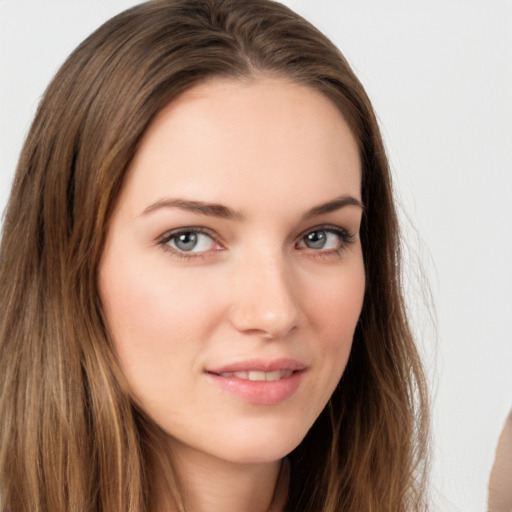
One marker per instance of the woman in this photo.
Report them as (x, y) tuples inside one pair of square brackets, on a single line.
[(201, 307)]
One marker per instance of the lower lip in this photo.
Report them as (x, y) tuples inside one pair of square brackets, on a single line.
[(260, 392)]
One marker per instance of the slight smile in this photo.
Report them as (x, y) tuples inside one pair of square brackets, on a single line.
[(259, 381), (259, 375)]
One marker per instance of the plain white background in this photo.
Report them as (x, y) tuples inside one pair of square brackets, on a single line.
[(440, 76)]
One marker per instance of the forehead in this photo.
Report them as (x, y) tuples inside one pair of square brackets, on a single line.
[(229, 140)]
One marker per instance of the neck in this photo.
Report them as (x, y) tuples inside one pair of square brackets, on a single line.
[(213, 485)]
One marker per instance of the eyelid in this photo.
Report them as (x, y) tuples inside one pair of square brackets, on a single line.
[(168, 235), (345, 235), (333, 228), (164, 240)]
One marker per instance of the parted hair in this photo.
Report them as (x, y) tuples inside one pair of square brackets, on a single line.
[(71, 437)]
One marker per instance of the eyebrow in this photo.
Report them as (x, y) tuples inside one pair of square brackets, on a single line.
[(210, 209), (224, 212), (331, 206)]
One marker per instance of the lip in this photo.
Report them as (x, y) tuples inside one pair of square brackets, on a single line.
[(260, 365), (259, 392)]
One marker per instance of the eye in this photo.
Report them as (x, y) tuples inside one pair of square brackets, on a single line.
[(189, 240), (325, 239)]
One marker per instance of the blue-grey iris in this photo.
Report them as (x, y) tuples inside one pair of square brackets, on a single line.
[(186, 241), (315, 239)]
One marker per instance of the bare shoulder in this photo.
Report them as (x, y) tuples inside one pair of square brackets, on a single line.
[(500, 482)]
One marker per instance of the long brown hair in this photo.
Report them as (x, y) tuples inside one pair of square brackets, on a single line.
[(71, 438)]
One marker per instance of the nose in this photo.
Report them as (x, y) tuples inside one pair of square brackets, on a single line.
[(264, 301)]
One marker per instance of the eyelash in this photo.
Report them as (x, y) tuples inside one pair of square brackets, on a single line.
[(168, 237), (344, 236), (345, 239)]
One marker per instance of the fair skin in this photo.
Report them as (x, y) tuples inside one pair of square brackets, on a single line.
[(232, 279)]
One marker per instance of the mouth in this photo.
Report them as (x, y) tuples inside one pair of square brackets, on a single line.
[(258, 376), (259, 369), (259, 382)]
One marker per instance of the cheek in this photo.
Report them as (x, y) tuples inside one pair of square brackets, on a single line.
[(153, 317), (334, 313), (139, 292), (335, 307)]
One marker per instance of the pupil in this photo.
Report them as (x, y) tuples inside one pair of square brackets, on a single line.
[(186, 241), (316, 239)]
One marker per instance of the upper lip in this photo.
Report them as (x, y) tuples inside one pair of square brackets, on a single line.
[(259, 365)]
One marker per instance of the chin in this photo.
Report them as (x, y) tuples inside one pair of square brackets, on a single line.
[(260, 445)]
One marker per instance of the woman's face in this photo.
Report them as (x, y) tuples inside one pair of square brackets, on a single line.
[(232, 277)]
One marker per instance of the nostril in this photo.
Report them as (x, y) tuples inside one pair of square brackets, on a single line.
[(264, 302), (265, 325)]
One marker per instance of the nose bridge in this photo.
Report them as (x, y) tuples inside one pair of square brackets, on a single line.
[(264, 301)]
